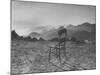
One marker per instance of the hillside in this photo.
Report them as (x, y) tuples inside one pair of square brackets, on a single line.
[(85, 31)]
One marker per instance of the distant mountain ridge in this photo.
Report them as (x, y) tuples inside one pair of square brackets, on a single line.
[(14, 35), (35, 35), (85, 31)]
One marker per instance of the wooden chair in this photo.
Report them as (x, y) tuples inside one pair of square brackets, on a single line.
[(60, 48)]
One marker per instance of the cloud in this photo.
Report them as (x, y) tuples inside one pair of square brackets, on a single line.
[(31, 16)]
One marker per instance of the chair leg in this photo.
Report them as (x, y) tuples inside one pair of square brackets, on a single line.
[(49, 55), (59, 56), (56, 53)]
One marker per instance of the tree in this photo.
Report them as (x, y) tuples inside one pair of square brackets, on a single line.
[(41, 39), (34, 39), (73, 39)]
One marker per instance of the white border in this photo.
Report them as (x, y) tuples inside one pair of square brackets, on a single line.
[(5, 36)]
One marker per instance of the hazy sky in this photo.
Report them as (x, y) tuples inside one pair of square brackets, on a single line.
[(34, 16)]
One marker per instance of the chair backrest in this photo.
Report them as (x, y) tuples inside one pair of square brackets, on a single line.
[(62, 35), (62, 31)]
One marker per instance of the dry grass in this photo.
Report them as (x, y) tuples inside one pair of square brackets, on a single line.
[(32, 57)]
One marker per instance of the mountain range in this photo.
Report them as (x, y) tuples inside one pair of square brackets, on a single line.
[(85, 31)]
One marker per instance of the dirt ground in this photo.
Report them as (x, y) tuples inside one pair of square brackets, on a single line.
[(32, 57)]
